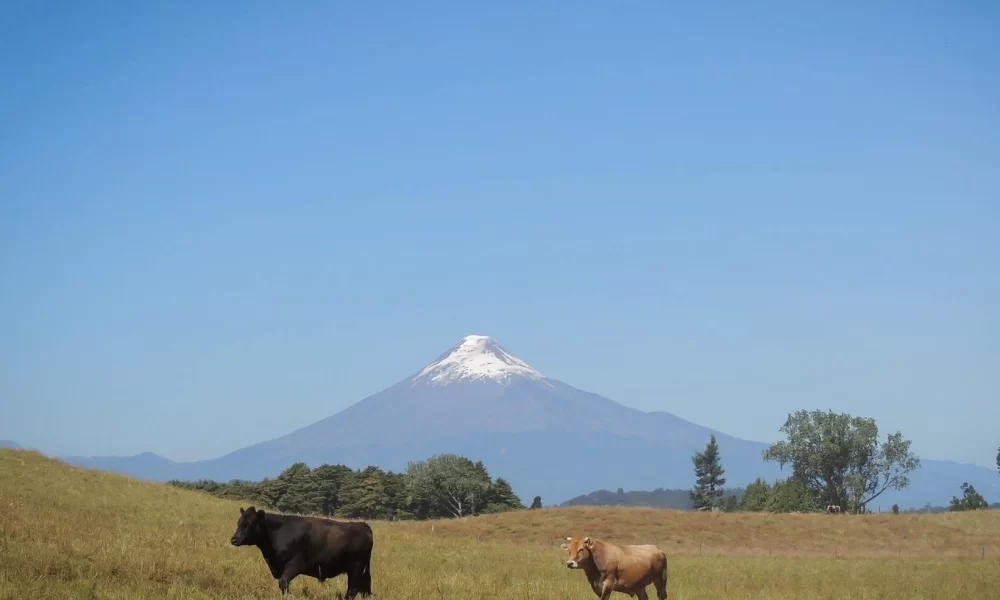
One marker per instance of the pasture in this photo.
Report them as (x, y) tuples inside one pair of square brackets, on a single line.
[(72, 533)]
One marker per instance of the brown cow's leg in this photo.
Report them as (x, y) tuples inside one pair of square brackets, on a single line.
[(641, 593), (660, 583), (661, 588), (609, 586)]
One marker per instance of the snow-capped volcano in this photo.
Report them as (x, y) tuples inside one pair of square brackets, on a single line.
[(476, 358), (482, 402)]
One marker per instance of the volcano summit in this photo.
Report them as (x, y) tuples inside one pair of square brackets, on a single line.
[(476, 358)]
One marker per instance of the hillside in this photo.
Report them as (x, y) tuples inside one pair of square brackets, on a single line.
[(69, 532), (480, 401), (658, 498)]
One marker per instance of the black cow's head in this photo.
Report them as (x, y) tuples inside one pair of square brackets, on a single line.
[(250, 527)]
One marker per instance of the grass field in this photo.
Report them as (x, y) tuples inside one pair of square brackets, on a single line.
[(72, 533)]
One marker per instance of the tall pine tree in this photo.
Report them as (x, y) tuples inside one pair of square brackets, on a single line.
[(708, 470)]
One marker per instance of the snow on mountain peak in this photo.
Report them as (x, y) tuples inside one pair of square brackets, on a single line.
[(476, 358)]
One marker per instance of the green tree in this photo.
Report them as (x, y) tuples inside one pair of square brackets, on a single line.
[(732, 505), (448, 485), (363, 495), (970, 500), (895, 509), (289, 492), (327, 480), (395, 488), (839, 458), (756, 496), (790, 495), (501, 498), (998, 459), (709, 480), (536, 503)]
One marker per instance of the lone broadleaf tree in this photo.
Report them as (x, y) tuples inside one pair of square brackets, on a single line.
[(839, 457), (449, 485), (708, 471), (970, 500), (998, 459)]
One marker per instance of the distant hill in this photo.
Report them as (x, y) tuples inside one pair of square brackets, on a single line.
[(141, 466), (658, 498), (10, 445), (545, 437)]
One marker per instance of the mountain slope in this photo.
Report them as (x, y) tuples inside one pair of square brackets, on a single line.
[(546, 437)]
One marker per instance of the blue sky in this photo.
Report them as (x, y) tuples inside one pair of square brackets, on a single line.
[(223, 223)]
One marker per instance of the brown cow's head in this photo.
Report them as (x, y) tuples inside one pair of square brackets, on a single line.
[(250, 527), (580, 551)]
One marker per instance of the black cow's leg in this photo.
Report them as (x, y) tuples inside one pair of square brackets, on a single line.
[(292, 568), (353, 578), (366, 580), (366, 576), (359, 578)]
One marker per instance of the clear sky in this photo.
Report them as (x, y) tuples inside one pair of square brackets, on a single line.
[(223, 223)]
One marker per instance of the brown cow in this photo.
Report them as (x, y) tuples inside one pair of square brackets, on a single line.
[(613, 568)]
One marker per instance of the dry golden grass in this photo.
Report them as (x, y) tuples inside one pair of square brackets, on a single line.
[(71, 533), (758, 535)]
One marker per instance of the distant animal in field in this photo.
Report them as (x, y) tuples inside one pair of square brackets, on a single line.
[(615, 568), (833, 509), (294, 545)]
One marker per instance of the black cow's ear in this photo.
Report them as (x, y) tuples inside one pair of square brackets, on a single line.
[(260, 513), (241, 510)]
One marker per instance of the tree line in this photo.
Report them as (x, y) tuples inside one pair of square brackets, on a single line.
[(444, 486), (835, 459)]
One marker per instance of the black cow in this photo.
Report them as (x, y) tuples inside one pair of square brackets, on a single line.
[(320, 548)]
